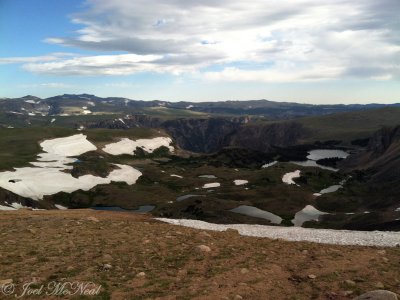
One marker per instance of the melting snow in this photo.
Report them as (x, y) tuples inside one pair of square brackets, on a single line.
[(323, 236), (174, 175), (128, 146), (3, 207), (240, 182), (47, 177), (68, 146), (288, 177), (19, 206), (60, 206), (269, 164), (211, 185)]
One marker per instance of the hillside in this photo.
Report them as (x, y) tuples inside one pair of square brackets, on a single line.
[(213, 133), (349, 126), (135, 257)]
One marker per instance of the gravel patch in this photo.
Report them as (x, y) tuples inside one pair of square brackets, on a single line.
[(323, 236)]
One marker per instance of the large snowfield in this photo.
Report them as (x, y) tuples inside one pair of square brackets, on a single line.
[(47, 177), (128, 146)]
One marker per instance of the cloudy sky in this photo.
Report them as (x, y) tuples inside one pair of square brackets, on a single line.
[(314, 51)]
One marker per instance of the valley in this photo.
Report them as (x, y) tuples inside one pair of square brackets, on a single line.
[(215, 167)]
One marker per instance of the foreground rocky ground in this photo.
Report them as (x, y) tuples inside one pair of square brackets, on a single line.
[(135, 257)]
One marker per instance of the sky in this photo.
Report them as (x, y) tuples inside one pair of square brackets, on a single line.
[(307, 51)]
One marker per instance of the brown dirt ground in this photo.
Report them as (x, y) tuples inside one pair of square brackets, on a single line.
[(46, 246)]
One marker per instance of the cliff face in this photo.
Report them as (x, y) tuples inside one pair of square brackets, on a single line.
[(202, 135), (212, 134), (264, 137), (382, 156)]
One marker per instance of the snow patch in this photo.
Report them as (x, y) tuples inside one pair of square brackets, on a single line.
[(269, 164), (240, 182), (58, 206), (174, 175), (3, 207), (288, 177), (68, 146), (128, 146), (48, 178), (322, 236), (211, 185)]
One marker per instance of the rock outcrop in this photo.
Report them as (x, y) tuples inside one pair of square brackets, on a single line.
[(208, 135)]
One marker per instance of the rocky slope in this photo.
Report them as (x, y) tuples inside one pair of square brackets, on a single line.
[(373, 187), (132, 256), (266, 136), (208, 135), (381, 159)]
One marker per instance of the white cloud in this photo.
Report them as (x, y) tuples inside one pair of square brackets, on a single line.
[(275, 75), (122, 64), (35, 59), (276, 41)]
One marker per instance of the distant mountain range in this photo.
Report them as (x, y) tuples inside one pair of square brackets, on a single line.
[(86, 104)]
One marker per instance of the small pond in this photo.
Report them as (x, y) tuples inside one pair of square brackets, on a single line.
[(184, 197), (318, 154), (308, 213), (255, 212)]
